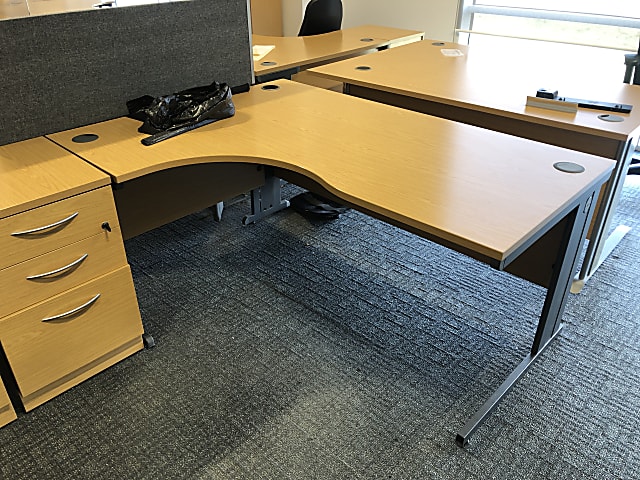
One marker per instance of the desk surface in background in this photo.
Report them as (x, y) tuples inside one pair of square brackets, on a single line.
[(291, 52), (13, 9), (488, 86), (24, 8), (474, 189), (497, 81)]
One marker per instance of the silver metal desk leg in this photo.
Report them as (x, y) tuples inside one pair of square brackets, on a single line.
[(265, 200), (217, 209), (550, 322), (601, 243)]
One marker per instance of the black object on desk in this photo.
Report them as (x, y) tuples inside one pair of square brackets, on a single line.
[(170, 115), (632, 60), (582, 103), (166, 134)]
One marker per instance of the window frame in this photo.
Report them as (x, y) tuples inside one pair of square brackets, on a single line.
[(468, 8)]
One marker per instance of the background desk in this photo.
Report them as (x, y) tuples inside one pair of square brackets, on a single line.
[(12, 9), (407, 169), (19, 8), (292, 54), (266, 17), (488, 87)]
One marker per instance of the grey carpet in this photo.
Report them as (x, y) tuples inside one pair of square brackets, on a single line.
[(353, 350)]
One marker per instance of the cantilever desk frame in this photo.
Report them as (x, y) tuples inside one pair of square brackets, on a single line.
[(539, 241), (420, 78)]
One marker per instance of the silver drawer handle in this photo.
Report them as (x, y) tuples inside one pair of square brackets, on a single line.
[(59, 270), (74, 311), (46, 227)]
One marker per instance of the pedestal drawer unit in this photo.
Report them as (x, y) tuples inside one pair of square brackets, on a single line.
[(68, 306), (54, 344)]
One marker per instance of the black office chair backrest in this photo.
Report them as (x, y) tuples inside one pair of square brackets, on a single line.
[(321, 16), (632, 73)]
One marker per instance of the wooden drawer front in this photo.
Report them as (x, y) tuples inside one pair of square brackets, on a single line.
[(92, 209), (35, 280), (7, 413), (44, 354)]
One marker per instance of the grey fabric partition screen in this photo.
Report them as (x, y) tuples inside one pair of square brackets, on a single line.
[(66, 70)]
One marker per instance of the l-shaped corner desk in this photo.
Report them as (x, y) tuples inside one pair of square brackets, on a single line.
[(488, 86), (517, 205)]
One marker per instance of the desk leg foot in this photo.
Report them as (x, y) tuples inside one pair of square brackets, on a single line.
[(461, 441), (148, 341), (577, 285), (610, 244), (265, 201), (476, 421), (218, 208)]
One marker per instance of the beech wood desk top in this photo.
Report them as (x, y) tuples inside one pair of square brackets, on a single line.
[(472, 189), (12, 9), (26, 179), (290, 52), (494, 81), (20, 8)]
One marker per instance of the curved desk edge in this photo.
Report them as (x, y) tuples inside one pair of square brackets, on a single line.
[(407, 168)]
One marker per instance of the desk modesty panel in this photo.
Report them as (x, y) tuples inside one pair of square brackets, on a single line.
[(292, 52), (266, 17), (483, 191)]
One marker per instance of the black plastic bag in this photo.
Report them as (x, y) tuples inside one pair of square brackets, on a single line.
[(169, 115)]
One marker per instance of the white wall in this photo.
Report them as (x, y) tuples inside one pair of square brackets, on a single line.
[(436, 18), (292, 12)]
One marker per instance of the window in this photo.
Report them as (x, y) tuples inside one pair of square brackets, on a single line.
[(611, 23)]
